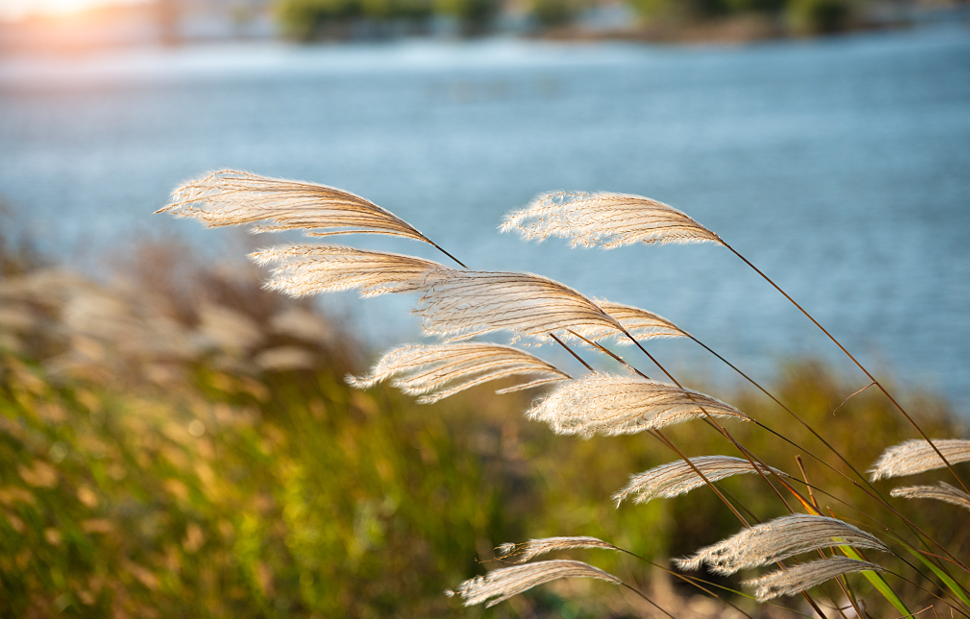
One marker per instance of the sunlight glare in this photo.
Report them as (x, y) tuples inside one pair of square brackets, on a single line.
[(15, 9)]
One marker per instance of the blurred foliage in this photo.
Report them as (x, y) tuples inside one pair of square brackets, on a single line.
[(181, 443), (819, 16), (475, 17), (804, 16), (553, 13), (306, 20)]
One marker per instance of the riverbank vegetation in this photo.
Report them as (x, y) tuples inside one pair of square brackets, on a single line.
[(177, 441), (650, 20)]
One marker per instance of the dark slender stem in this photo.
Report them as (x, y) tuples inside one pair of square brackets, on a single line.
[(747, 454), (870, 490), (438, 247), (855, 361), (646, 599), (609, 352), (572, 352), (663, 438)]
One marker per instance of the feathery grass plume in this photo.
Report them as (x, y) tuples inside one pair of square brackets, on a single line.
[(639, 323), (461, 304), (520, 553), (503, 583), (916, 456), (777, 540), (311, 269), (606, 220), (228, 198), (941, 492), (802, 577), (430, 369), (676, 478), (612, 404)]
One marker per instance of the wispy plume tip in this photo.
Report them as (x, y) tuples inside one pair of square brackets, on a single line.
[(605, 220), (916, 456)]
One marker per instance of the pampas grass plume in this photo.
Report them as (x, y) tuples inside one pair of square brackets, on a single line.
[(501, 584), (428, 370), (917, 456), (777, 540), (606, 220), (612, 404)]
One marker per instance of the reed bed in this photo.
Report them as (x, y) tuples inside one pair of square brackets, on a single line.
[(184, 442), (458, 304)]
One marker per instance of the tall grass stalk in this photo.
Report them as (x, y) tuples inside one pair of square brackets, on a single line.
[(457, 305)]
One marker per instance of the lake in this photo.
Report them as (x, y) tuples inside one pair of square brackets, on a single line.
[(841, 167)]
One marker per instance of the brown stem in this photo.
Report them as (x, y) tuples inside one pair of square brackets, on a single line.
[(856, 362)]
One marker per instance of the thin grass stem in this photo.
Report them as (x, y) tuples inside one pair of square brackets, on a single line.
[(855, 361)]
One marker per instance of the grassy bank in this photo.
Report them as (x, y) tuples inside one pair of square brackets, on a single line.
[(180, 442)]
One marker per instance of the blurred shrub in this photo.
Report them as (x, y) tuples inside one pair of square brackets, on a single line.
[(306, 20), (818, 16), (553, 13), (475, 17)]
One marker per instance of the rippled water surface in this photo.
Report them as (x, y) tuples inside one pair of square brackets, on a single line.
[(840, 167)]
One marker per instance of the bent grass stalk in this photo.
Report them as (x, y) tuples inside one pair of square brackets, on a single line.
[(463, 304)]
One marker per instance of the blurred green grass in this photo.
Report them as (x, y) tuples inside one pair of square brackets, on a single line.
[(179, 442)]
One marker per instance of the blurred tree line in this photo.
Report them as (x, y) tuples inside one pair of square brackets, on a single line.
[(307, 20)]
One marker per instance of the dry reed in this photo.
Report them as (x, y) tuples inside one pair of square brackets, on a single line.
[(917, 456), (676, 478), (777, 540), (503, 583), (429, 370), (613, 404), (941, 492), (793, 580)]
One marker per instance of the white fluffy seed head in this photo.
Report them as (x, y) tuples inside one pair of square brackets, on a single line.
[(916, 456), (501, 584), (312, 269), (605, 220), (520, 553), (228, 198), (796, 579), (639, 323), (461, 304), (612, 404), (941, 492), (777, 540), (438, 371), (676, 478)]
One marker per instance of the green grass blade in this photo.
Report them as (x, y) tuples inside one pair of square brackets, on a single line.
[(878, 582), (949, 582)]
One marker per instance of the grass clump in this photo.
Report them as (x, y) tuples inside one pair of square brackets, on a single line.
[(185, 442)]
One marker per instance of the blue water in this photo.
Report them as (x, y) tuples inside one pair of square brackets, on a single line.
[(840, 167)]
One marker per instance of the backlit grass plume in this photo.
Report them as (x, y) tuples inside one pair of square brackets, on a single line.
[(639, 323), (777, 540), (438, 371), (613, 404), (916, 456), (231, 198), (503, 583), (606, 220), (520, 553), (794, 580), (461, 304), (312, 269), (677, 478), (228, 198), (941, 492)]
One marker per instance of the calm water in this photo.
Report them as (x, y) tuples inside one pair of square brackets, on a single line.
[(841, 167)]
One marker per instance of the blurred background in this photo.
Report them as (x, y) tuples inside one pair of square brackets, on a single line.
[(174, 440)]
